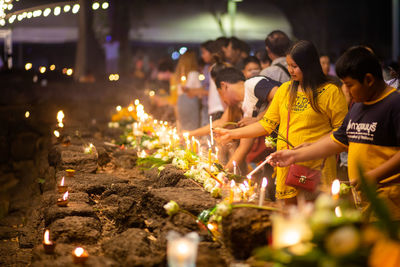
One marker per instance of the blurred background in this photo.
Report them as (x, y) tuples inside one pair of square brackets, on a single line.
[(74, 37)]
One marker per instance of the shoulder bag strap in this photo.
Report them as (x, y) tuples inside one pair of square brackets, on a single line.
[(283, 68), (287, 135)]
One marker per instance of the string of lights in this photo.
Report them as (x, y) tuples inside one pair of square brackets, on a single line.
[(44, 10)]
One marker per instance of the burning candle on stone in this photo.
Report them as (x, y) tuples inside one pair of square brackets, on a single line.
[(335, 189), (80, 255), (48, 245), (63, 202), (62, 188), (262, 191)]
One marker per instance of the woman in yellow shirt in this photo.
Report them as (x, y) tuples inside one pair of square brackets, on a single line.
[(316, 108)]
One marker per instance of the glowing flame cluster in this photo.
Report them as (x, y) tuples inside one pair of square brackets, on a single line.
[(60, 117)]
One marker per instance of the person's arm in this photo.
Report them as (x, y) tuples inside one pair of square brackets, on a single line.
[(240, 153), (205, 130), (323, 148), (249, 131), (387, 169)]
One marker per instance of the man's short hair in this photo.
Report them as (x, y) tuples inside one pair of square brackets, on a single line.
[(229, 75), (356, 62), (278, 43)]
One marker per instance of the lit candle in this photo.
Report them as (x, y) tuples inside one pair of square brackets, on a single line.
[(234, 167), (60, 117), (63, 202), (80, 255), (182, 251), (335, 189), (187, 145), (262, 191), (249, 179), (211, 132), (260, 166), (198, 146), (209, 153), (48, 245), (231, 193), (62, 188), (338, 212), (194, 145)]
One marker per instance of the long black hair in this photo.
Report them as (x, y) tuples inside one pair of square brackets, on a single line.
[(306, 57)]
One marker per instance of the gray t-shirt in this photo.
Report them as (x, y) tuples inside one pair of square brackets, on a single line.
[(275, 72)]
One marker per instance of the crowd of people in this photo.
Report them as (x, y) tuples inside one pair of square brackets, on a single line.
[(291, 95)]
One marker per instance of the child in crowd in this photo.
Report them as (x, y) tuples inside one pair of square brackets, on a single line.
[(370, 132), (304, 109), (251, 67)]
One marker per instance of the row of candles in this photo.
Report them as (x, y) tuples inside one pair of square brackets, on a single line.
[(79, 255)]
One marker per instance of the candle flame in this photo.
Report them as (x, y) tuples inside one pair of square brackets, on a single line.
[(183, 248), (130, 108), (243, 187), (60, 116), (183, 78), (136, 102), (264, 183), (210, 226), (335, 187), (118, 108), (57, 133), (47, 237), (338, 212), (234, 163), (78, 251), (65, 196), (62, 182), (290, 237)]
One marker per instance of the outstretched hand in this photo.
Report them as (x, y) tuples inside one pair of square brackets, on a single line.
[(222, 135), (282, 158)]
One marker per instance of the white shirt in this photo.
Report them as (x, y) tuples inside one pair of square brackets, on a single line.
[(250, 95), (192, 82), (276, 73), (214, 101)]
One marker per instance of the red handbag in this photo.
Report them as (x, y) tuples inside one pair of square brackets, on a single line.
[(300, 176), (303, 177)]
